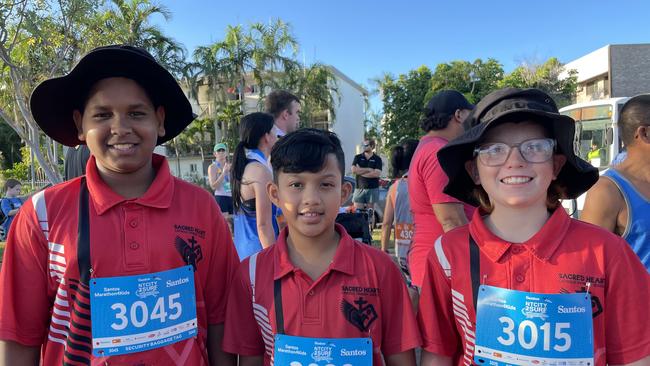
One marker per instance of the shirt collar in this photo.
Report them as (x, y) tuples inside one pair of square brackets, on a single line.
[(343, 258), (542, 245), (159, 194), (279, 132)]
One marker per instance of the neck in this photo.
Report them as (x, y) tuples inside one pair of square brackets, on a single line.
[(368, 154), (516, 226), (445, 133), (281, 126), (313, 255), (636, 165), (131, 185)]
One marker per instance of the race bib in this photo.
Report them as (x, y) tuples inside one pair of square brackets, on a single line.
[(138, 313), (525, 328), (403, 238), (302, 351)]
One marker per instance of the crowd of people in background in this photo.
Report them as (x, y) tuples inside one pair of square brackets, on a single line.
[(126, 264)]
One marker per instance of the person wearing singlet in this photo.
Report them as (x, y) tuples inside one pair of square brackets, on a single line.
[(620, 201), (254, 214), (219, 178), (397, 212)]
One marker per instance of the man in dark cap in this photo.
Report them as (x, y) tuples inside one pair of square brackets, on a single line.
[(434, 212)]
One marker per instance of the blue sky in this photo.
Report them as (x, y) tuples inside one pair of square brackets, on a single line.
[(365, 39)]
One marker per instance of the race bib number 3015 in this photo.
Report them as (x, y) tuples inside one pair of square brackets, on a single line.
[(138, 313), (525, 328)]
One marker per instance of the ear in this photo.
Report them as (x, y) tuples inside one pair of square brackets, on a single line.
[(472, 170), (77, 117), (346, 189), (272, 190), (160, 114), (642, 133), (558, 163)]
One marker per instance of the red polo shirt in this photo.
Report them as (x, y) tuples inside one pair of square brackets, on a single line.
[(41, 299), (426, 182), (561, 258), (358, 278)]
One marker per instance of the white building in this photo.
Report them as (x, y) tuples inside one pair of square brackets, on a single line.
[(349, 111), (621, 70)]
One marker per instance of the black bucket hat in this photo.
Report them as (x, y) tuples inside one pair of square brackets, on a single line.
[(576, 176), (54, 100)]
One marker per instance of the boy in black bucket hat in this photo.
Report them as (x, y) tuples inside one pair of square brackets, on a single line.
[(523, 283), (117, 266)]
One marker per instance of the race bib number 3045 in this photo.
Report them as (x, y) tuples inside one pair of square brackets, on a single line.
[(525, 328), (138, 313)]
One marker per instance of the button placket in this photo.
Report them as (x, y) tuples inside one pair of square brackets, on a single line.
[(134, 237)]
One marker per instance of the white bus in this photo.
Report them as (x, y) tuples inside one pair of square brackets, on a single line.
[(597, 139)]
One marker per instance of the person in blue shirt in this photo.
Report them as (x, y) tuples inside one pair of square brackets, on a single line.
[(11, 202)]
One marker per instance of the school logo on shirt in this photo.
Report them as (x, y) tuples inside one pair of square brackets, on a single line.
[(362, 314), (189, 250)]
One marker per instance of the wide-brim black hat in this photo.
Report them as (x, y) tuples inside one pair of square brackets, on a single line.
[(576, 176), (54, 100)]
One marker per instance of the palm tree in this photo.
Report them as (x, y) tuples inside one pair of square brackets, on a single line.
[(128, 22)]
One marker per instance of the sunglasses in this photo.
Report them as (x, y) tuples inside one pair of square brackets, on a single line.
[(532, 151), (221, 150)]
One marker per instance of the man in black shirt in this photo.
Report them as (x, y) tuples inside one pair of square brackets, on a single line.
[(367, 167)]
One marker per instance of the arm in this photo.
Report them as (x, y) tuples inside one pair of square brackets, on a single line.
[(216, 355), (430, 359), (401, 359), (449, 215), (372, 173), (12, 353), (263, 211), (603, 205), (215, 179), (387, 223)]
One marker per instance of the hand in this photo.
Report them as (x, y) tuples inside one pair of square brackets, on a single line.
[(226, 168)]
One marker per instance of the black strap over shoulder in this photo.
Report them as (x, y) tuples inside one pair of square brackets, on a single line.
[(83, 234), (277, 298), (475, 268)]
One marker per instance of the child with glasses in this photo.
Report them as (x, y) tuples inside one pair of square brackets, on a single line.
[(523, 283)]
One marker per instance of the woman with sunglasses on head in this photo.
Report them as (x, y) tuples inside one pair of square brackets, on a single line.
[(523, 283)]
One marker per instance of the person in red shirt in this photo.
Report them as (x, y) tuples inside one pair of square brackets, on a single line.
[(524, 283), (434, 212), (118, 266), (316, 281)]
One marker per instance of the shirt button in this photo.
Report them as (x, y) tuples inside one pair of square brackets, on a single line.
[(133, 223), (516, 249), (311, 293), (134, 245), (520, 278)]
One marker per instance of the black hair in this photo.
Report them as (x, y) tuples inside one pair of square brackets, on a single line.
[(278, 101), (434, 121), (306, 150), (401, 156), (252, 128), (635, 113), (11, 183)]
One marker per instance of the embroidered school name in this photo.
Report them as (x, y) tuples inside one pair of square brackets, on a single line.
[(580, 278), (359, 290), (191, 230)]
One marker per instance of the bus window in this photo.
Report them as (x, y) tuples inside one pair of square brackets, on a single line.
[(594, 145)]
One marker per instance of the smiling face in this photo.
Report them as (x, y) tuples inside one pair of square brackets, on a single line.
[(517, 183), (120, 125), (311, 201)]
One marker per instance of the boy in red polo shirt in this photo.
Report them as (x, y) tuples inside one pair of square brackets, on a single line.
[(116, 267), (526, 284), (316, 281)]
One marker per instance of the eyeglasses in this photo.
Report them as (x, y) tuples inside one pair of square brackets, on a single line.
[(532, 151)]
